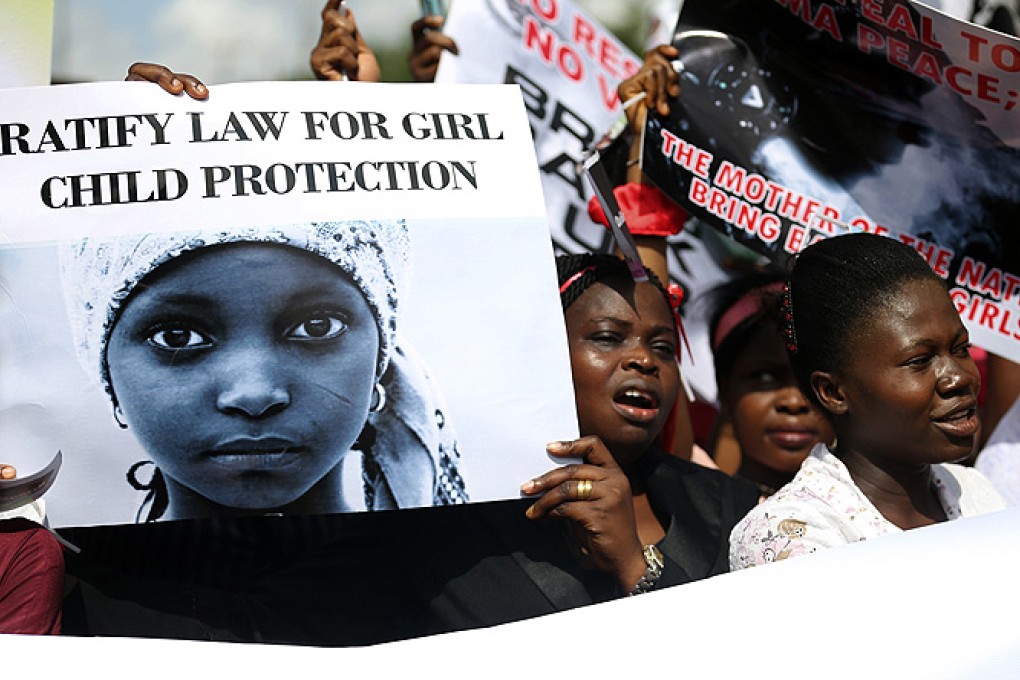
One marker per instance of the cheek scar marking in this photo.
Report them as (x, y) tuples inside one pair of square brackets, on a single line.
[(340, 397)]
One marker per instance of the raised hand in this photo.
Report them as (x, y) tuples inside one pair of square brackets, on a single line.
[(341, 53), (427, 46)]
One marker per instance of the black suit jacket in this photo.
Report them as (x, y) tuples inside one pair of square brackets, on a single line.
[(529, 569)]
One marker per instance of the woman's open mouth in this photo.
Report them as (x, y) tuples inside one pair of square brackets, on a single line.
[(637, 405), (959, 423)]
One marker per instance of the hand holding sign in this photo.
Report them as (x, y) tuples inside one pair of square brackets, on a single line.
[(174, 83), (595, 497), (656, 80)]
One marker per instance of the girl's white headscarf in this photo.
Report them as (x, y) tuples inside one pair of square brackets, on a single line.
[(99, 274)]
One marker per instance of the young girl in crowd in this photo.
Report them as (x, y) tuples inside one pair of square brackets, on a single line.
[(875, 340), (774, 424), (250, 362)]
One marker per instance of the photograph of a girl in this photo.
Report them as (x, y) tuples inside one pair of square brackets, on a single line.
[(258, 366)]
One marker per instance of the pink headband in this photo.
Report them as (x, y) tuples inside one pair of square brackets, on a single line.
[(748, 305), (569, 282)]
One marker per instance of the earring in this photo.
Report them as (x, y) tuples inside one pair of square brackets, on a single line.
[(378, 399), (118, 415)]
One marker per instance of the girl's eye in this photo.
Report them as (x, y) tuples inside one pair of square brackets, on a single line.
[(323, 327), (179, 337), (765, 378), (963, 349)]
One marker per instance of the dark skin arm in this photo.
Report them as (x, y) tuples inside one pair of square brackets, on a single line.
[(174, 83), (604, 524), (341, 52), (427, 46), (659, 83)]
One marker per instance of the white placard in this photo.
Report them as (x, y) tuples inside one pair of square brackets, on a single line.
[(127, 164)]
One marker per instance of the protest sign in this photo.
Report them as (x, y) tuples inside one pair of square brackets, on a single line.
[(568, 67), (804, 119), (239, 292)]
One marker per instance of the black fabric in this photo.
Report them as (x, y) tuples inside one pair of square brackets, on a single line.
[(699, 508), (333, 579), (374, 577)]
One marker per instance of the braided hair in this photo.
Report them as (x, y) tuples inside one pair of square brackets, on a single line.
[(834, 285), (577, 273)]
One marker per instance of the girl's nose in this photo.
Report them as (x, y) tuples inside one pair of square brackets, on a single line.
[(791, 400), (253, 391)]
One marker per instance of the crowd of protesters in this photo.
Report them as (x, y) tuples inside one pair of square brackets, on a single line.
[(851, 404)]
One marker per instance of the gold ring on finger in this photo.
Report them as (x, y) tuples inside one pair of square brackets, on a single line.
[(584, 489)]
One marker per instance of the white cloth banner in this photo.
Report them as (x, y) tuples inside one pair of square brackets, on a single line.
[(232, 279), (933, 603)]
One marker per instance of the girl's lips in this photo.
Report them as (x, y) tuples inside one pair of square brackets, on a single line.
[(793, 439), (256, 454), (962, 424), (256, 460)]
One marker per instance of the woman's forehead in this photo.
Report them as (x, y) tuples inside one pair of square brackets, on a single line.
[(622, 298), (916, 311), (763, 345)]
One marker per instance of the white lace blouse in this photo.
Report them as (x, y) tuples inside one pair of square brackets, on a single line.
[(822, 507)]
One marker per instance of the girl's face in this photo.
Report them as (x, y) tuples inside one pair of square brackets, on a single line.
[(246, 370), (909, 386), (774, 422), (623, 359)]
